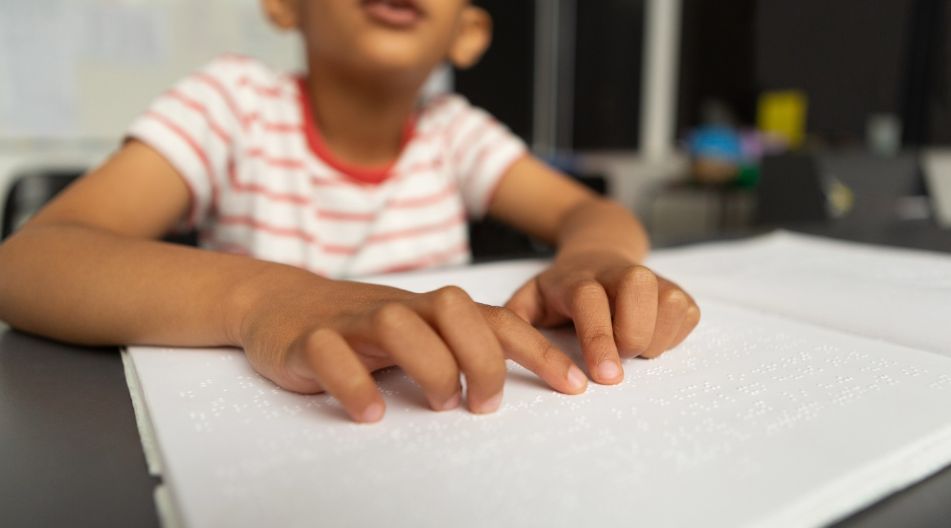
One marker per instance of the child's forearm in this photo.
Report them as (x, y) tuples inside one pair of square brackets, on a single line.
[(601, 225), (87, 286), (306, 333)]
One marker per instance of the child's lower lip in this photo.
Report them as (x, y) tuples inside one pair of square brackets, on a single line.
[(392, 14)]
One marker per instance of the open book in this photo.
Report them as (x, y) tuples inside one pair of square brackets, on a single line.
[(817, 383)]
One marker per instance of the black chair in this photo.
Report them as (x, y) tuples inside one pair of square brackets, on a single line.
[(29, 192)]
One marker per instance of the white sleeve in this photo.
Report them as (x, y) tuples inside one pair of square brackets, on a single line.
[(194, 126), (482, 150)]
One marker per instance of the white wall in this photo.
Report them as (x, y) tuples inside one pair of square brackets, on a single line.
[(75, 73), (83, 69)]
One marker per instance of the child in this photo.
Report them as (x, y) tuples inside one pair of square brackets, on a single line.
[(339, 173)]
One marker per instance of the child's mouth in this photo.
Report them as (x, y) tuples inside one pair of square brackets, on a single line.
[(395, 13)]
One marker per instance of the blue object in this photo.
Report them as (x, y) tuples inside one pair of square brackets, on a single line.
[(717, 142)]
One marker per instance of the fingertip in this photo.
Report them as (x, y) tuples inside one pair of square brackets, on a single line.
[(452, 403), (487, 406), (630, 354), (371, 413), (608, 372), (577, 381)]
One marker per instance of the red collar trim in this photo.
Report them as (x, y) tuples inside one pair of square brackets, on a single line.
[(371, 175)]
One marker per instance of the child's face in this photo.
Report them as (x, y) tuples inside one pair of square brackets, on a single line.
[(404, 39)]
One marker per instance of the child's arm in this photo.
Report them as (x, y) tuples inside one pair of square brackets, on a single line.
[(86, 270), (619, 308)]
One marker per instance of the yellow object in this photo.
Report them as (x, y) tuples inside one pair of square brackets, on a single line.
[(783, 114)]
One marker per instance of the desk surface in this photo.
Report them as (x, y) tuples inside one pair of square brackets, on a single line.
[(70, 451)]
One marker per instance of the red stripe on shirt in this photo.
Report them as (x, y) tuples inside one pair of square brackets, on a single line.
[(319, 181), (246, 221), (196, 148), (201, 109), (405, 203), (433, 259), (220, 89), (444, 225), (425, 200), (345, 216), (283, 163), (266, 91), (282, 128), (422, 167), (430, 135), (336, 249), (254, 188), (290, 232)]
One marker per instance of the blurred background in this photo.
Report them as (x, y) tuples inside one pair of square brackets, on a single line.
[(705, 117)]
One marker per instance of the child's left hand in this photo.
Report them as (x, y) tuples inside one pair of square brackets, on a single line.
[(619, 308)]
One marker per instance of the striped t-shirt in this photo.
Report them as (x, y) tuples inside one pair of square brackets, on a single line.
[(263, 183)]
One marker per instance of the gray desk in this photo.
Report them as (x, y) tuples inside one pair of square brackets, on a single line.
[(70, 452), (69, 449)]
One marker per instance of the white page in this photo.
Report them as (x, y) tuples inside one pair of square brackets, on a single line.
[(754, 420), (902, 296)]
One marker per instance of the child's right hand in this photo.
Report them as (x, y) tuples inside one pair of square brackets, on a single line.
[(310, 335)]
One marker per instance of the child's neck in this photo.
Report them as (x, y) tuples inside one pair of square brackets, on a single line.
[(361, 123)]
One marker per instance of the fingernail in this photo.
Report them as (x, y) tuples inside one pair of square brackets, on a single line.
[(608, 370), (449, 404), (490, 405), (576, 378), (629, 354), (373, 413)]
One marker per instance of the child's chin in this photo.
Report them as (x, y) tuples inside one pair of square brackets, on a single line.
[(397, 56)]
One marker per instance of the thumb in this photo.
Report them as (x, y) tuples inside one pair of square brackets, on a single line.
[(528, 303)]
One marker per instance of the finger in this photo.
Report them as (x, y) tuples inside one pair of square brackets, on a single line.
[(635, 310), (416, 348), (297, 374), (691, 320), (527, 302), (528, 347), (476, 349), (338, 370), (591, 313), (293, 371), (671, 310)]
